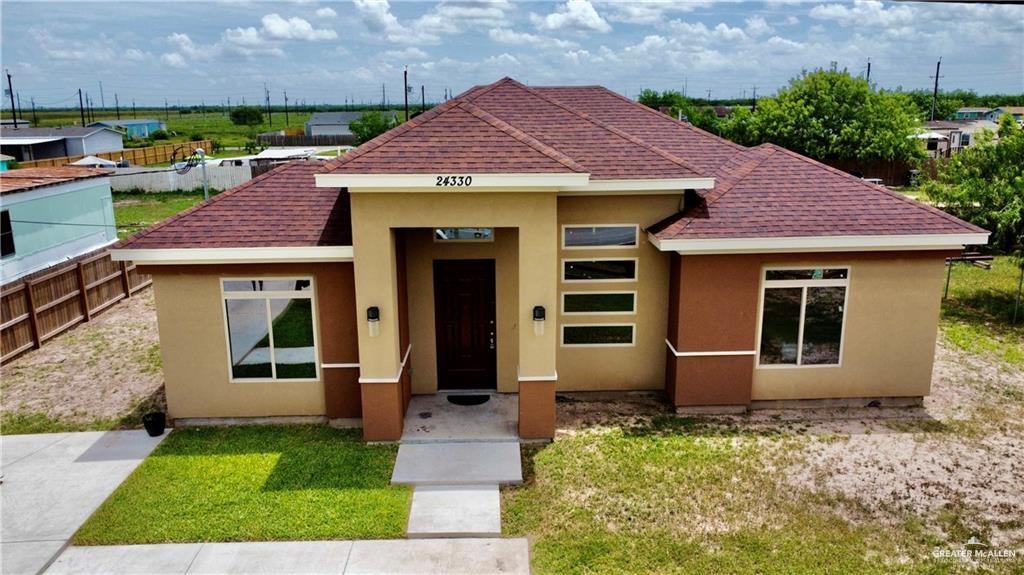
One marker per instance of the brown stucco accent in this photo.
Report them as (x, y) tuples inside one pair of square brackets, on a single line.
[(537, 409), (715, 380), (383, 411)]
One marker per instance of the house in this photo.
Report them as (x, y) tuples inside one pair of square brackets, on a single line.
[(50, 215), (1016, 111), (134, 129), (333, 123), (951, 136), (4, 160), (971, 113), (27, 144), (529, 240)]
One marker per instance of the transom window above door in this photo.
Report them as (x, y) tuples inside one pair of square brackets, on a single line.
[(803, 313), (463, 234), (603, 236)]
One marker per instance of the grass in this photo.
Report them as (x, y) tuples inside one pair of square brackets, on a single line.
[(255, 483), (978, 314), (20, 422), (136, 211)]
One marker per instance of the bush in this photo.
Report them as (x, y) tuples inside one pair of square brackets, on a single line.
[(196, 137), (371, 124), (246, 116), (158, 135)]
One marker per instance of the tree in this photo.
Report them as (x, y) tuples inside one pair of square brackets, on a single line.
[(830, 115), (247, 116), (984, 184), (370, 125), (679, 106)]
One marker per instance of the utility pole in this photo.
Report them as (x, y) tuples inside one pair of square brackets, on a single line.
[(868, 77), (286, 108), (423, 98), (754, 107), (405, 91), (167, 114), (133, 109), (81, 107), (270, 114), (117, 106), (709, 96), (35, 120), (383, 95), (20, 109), (935, 93), (10, 91), (103, 101)]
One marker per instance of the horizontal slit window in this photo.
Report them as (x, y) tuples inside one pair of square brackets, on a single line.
[(598, 335), (463, 234), (612, 236), (599, 302), (599, 270)]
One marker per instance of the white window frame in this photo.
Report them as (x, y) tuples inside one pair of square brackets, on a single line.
[(599, 292), (632, 338), (268, 295), (634, 279), (636, 236), (464, 241), (804, 284)]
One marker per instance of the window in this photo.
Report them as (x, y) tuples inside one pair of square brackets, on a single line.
[(609, 270), (463, 234), (603, 236), (802, 313), (270, 328), (580, 303), (608, 335), (6, 234), (965, 139)]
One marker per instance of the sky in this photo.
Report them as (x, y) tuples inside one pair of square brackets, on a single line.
[(335, 52)]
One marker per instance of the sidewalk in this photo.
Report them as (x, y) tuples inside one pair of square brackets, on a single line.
[(396, 557)]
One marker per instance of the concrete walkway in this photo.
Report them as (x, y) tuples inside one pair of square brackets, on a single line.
[(393, 557), (53, 482)]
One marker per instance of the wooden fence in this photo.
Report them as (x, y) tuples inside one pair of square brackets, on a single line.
[(134, 156), (326, 140), (42, 307), (891, 173)]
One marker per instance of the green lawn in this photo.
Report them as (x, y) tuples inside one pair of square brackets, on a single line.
[(977, 316), (253, 484), (136, 211)]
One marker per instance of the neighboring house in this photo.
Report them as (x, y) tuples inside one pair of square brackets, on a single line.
[(947, 137), (531, 240), (971, 113), (50, 215), (333, 123), (27, 144), (134, 129), (1016, 111), (4, 160)]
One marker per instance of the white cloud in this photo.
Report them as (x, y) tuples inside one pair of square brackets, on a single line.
[(135, 55), (577, 15), (649, 11), (377, 17), (326, 12), (447, 17), (410, 53), (174, 60), (863, 13), (506, 36), (278, 28), (757, 26), (699, 34)]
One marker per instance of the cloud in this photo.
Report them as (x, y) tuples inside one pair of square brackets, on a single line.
[(377, 17), (326, 13), (506, 36), (574, 15), (446, 17), (410, 53), (863, 13), (649, 11), (278, 28), (699, 34), (136, 55), (174, 60), (757, 26)]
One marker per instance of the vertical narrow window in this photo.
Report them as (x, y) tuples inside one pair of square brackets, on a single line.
[(6, 234), (802, 313)]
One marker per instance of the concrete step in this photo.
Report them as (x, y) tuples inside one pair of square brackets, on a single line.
[(458, 464), (455, 511)]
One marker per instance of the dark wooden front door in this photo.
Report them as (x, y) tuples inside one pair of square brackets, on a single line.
[(464, 319)]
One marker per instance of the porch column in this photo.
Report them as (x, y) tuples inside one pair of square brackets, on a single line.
[(380, 359), (538, 286)]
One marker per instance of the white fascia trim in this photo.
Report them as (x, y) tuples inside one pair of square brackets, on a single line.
[(429, 181), (338, 365), (396, 378), (665, 185), (173, 256), (820, 244), (538, 377), (706, 353)]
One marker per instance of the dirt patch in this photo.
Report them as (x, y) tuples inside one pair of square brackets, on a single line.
[(99, 371)]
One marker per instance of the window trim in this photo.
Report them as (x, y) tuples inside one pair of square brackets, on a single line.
[(769, 284), (466, 241), (636, 236), (599, 292), (561, 334), (14, 245), (266, 295), (634, 279)]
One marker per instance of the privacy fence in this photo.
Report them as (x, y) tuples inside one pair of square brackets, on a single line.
[(332, 140), (164, 180), (39, 308), (134, 156)]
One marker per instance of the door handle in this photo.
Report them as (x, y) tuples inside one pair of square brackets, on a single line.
[(492, 341)]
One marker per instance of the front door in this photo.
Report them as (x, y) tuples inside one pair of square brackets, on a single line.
[(464, 318)]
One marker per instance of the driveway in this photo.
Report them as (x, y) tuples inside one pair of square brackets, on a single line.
[(52, 483)]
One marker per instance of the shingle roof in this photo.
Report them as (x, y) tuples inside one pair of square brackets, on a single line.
[(25, 179), (65, 131), (281, 208)]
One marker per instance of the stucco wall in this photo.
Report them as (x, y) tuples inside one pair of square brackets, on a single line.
[(194, 347), (619, 368), (422, 251)]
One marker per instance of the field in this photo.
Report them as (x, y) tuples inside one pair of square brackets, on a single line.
[(135, 212)]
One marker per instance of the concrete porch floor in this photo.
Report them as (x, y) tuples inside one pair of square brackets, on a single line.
[(433, 419)]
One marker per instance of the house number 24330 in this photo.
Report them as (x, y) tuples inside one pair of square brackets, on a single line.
[(454, 181)]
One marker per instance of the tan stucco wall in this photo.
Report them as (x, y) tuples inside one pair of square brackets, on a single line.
[(619, 368), (193, 344), (422, 252), (375, 217), (889, 344)]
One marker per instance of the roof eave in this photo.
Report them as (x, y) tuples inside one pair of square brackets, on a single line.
[(462, 181), (232, 255), (817, 244)]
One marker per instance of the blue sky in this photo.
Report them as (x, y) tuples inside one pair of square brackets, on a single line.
[(333, 51)]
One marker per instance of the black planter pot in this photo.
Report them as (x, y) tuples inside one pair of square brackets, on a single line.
[(154, 423)]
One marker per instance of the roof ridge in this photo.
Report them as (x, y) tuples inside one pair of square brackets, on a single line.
[(875, 187), (522, 136), (636, 140), (217, 198)]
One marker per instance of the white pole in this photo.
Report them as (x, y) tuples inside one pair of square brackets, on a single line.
[(206, 183)]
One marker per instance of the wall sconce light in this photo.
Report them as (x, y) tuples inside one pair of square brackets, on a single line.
[(373, 320), (538, 320)]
